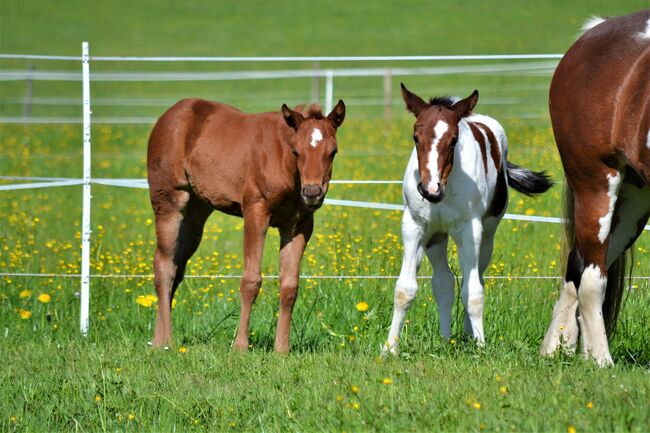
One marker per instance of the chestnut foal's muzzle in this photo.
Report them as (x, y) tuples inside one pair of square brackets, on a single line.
[(433, 198), (313, 196)]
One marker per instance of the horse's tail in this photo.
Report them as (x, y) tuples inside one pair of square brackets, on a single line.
[(615, 274), (526, 181)]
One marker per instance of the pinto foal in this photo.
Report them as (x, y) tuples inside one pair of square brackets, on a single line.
[(455, 184), (272, 169)]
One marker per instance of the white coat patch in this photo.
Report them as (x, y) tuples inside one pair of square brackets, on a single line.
[(647, 140), (316, 137), (432, 164), (645, 34), (606, 221)]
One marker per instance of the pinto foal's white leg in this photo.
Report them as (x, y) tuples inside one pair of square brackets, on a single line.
[(442, 284), (407, 285), (469, 249)]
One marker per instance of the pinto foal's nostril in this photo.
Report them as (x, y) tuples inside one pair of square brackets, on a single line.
[(312, 191)]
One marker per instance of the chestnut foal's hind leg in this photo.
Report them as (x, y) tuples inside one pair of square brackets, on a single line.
[(294, 241), (179, 228), (256, 223)]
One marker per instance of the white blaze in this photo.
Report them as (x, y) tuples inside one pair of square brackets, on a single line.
[(432, 164), (316, 137), (606, 221)]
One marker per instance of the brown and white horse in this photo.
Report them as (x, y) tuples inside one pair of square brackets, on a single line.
[(600, 110), (455, 184), (272, 169)]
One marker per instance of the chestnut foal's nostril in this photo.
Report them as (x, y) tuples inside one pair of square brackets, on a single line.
[(312, 191)]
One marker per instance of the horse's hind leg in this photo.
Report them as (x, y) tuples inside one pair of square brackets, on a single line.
[(587, 268), (442, 280), (179, 227), (407, 285), (469, 249)]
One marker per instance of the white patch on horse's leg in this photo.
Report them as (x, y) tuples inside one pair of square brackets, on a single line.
[(432, 164), (472, 289), (645, 34), (407, 285), (442, 285), (647, 140), (316, 137), (563, 330), (591, 295), (606, 221)]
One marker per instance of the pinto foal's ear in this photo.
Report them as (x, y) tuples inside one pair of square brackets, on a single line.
[(414, 103), (465, 106), (338, 114), (293, 118)]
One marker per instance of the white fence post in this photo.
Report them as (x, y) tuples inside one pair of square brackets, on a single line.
[(85, 219), (329, 90)]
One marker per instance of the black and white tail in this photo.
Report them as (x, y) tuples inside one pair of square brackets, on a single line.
[(526, 181)]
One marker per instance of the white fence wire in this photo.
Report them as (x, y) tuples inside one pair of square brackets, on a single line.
[(328, 74)]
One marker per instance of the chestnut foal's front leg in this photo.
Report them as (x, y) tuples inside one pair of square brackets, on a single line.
[(293, 242), (256, 223)]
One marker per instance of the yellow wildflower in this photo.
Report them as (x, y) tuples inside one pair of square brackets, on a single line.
[(362, 306), (387, 381), (25, 294), (476, 405), (182, 349), (44, 298), (590, 405), (354, 389), (98, 398), (570, 429), (24, 314)]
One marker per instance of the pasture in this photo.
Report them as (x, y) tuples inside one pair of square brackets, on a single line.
[(55, 380)]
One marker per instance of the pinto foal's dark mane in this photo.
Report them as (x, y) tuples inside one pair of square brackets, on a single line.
[(445, 101)]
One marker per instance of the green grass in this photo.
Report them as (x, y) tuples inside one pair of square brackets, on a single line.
[(56, 380)]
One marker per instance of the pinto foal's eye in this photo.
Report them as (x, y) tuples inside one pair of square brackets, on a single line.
[(333, 154), (453, 142), (415, 138)]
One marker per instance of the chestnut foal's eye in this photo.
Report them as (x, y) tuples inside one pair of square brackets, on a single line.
[(415, 138), (333, 154), (295, 152)]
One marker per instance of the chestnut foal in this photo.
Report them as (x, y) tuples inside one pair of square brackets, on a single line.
[(272, 169)]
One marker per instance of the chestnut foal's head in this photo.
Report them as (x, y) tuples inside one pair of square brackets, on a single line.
[(435, 134), (314, 146)]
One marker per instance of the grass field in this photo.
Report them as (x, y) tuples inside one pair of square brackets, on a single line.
[(56, 380)]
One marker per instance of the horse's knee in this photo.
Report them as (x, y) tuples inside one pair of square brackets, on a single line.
[(404, 295), (288, 293), (591, 292), (250, 285), (474, 306)]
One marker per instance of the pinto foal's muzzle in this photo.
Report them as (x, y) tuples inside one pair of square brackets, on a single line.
[(313, 196), (432, 197)]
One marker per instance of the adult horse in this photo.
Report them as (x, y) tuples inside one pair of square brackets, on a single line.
[(459, 165), (600, 110), (272, 169)]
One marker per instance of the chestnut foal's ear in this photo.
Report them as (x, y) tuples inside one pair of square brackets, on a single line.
[(338, 114), (414, 103), (293, 118), (465, 106)]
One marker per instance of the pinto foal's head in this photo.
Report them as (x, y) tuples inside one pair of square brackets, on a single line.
[(314, 146), (435, 134)]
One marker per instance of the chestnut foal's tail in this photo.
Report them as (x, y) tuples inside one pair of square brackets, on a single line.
[(615, 273), (526, 181)]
